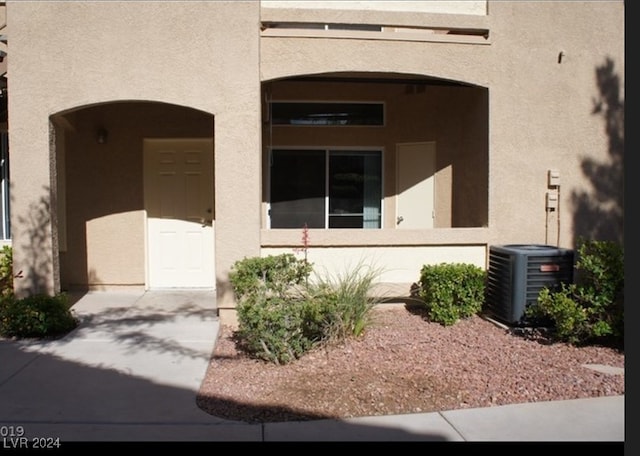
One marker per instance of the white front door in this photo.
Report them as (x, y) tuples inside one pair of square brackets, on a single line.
[(416, 169), (178, 189)]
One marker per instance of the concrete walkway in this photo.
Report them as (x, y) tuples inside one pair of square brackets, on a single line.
[(131, 371)]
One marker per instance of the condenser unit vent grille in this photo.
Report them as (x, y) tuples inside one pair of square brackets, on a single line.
[(517, 273)]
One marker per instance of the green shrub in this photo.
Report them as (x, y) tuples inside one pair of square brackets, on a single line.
[(282, 316), (6, 271), (278, 330), (564, 313), (452, 291), (271, 311), (36, 316), (33, 316), (273, 274), (592, 308)]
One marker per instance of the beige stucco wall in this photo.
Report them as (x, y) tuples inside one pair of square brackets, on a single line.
[(542, 114), (74, 54), (210, 57)]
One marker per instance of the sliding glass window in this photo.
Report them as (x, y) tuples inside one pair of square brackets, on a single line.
[(326, 189)]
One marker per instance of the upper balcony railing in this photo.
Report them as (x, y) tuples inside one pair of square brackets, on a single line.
[(432, 6), (435, 21)]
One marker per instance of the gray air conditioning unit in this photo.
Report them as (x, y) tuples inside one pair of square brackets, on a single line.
[(518, 272)]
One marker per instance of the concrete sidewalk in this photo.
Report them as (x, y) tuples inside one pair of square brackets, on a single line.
[(131, 371)]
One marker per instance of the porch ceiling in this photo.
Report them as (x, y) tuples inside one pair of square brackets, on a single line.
[(377, 78)]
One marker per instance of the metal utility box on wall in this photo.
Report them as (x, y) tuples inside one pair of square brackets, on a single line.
[(518, 272)]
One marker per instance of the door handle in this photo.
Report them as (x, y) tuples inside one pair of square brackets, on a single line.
[(207, 222), (399, 219)]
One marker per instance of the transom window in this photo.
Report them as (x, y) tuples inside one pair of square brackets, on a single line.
[(326, 113), (326, 188)]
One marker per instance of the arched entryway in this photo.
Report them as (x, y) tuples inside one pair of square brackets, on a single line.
[(131, 179)]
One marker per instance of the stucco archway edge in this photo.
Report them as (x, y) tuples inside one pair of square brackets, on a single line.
[(374, 74), (70, 107)]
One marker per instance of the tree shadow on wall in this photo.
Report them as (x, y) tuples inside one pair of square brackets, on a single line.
[(35, 265), (599, 213)]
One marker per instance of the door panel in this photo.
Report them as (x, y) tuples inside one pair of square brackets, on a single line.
[(415, 181), (179, 205)]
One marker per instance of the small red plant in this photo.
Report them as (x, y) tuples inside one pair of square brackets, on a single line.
[(305, 242)]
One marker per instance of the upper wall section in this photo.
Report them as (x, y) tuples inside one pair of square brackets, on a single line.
[(439, 39), (509, 41), (377, 20), (78, 53)]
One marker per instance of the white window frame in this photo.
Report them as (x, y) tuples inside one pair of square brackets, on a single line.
[(368, 102), (327, 150), (5, 228)]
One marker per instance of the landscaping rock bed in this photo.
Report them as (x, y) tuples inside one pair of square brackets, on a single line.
[(406, 364)]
